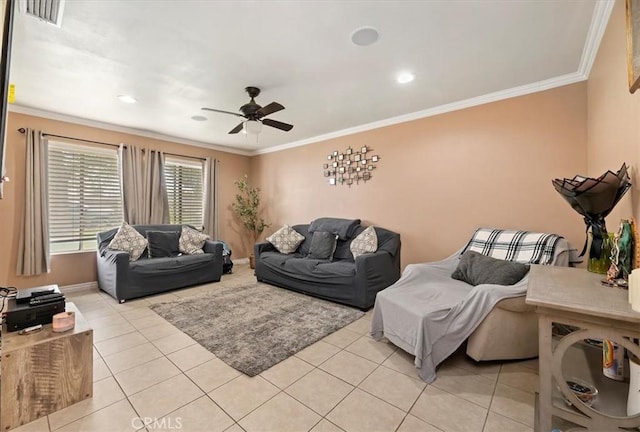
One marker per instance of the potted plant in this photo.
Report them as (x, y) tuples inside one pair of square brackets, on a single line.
[(246, 208)]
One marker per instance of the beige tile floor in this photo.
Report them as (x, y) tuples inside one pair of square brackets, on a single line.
[(148, 373)]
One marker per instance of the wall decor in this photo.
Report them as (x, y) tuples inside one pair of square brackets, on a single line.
[(633, 44), (349, 167)]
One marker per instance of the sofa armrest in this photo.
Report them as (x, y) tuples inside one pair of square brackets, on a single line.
[(375, 272), (213, 247), (115, 257), (113, 271), (258, 248), (374, 262)]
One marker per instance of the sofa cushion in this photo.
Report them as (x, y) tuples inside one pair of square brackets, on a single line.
[(276, 259), (366, 242), (191, 241), (475, 269), (340, 268), (323, 245), (127, 239), (343, 227), (170, 265), (286, 239), (163, 243)]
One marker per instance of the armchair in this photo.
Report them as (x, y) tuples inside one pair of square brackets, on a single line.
[(429, 314)]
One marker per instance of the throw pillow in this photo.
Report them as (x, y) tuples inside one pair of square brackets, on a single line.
[(323, 245), (163, 243), (286, 240), (475, 269), (127, 239), (366, 242), (191, 241)]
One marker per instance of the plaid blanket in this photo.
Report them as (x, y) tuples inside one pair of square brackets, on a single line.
[(511, 245)]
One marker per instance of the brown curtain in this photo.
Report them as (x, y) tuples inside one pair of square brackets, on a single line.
[(210, 219), (144, 195), (33, 249)]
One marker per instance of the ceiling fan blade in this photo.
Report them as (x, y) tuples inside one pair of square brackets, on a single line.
[(237, 129), (270, 109), (278, 125), (223, 112)]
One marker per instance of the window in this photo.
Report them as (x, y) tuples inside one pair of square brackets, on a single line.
[(84, 195), (184, 190)]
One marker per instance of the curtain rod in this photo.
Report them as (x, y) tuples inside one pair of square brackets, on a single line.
[(23, 130)]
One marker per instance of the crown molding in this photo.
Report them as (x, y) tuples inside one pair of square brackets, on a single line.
[(599, 21), (441, 109), (19, 109), (600, 18)]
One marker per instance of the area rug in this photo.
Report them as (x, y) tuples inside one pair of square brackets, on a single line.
[(253, 327)]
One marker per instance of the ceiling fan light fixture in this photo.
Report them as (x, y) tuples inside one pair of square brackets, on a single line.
[(252, 127)]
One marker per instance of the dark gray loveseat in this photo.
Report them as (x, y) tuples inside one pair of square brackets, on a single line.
[(343, 280), (123, 279)]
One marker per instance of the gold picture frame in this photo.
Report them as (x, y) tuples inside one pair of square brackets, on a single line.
[(633, 44)]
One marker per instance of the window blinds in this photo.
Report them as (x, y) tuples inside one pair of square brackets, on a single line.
[(84, 192), (183, 179)]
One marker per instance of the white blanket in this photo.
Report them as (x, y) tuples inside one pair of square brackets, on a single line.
[(429, 314)]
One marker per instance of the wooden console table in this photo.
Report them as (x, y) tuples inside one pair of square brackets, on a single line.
[(45, 371), (577, 298)]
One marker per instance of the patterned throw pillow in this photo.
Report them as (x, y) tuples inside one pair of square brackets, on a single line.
[(286, 239), (366, 242), (192, 241), (127, 239)]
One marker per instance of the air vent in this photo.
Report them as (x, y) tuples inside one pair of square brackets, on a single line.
[(49, 11)]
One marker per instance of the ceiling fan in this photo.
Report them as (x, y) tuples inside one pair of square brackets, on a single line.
[(254, 115)]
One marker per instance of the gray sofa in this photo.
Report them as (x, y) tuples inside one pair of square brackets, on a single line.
[(343, 280), (123, 279)]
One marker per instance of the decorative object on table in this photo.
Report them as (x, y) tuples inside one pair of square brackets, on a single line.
[(636, 244), (63, 321), (634, 290), (351, 166), (247, 210), (252, 327), (594, 198), (612, 360), (621, 256), (583, 390), (633, 400), (633, 44)]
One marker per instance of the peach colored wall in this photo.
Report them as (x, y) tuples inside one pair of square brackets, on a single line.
[(613, 115), (441, 177), (77, 268)]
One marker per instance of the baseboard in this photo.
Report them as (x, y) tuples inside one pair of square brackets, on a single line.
[(240, 260), (85, 286)]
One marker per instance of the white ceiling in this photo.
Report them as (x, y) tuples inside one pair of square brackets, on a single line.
[(178, 56)]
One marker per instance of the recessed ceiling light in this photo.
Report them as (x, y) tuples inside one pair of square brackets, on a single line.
[(365, 36), (127, 99), (199, 118), (405, 77)]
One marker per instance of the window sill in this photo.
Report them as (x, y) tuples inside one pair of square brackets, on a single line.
[(72, 252)]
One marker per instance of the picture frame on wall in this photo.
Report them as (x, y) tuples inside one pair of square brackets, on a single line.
[(633, 44)]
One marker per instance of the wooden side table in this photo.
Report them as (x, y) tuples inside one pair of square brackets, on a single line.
[(45, 371), (577, 298)]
